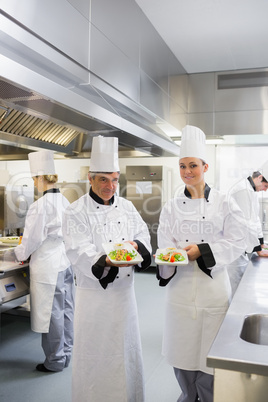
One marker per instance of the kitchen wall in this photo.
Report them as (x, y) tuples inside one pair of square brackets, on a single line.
[(227, 165), (69, 170)]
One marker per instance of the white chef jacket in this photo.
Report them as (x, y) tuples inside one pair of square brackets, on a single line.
[(247, 200), (107, 360), (43, 241), (198, 293)]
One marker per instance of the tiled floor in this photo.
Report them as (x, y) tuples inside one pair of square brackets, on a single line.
[(20, 351)]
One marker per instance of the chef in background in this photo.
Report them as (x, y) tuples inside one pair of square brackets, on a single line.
[(107, 357), (51, 276), (203, 222), (245, 194)]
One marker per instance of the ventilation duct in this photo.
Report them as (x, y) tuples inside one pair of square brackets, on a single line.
[(243, 80)]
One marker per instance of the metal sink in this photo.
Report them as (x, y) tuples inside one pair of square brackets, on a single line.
[(255, 329)]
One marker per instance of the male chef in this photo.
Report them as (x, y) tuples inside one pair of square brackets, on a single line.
[(245, 193), (107, 357)]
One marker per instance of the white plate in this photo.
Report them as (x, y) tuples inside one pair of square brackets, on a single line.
[(167, 250), (12, 240), (108, 247)]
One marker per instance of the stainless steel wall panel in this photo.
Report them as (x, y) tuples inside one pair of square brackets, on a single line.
[(241, 122), (119, 20), (83, 6), (153, 97), (241, 99), (235, 111), (110, 64), (178, 119), (179, 92), (201, 93), (205, 121), (178, 100), (154, 56)]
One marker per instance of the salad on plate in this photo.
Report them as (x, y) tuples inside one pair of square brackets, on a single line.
[(171, 256)]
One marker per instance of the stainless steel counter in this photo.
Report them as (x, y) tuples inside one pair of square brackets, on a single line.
[(229, 351)]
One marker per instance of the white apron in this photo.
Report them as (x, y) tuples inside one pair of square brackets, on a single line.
[(107, 350), (45, 264), (43, 241), (107, 356), (193, 317)]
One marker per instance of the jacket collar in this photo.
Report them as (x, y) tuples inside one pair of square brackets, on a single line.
[(51, 190), (98, 199), (206, 192), (252, 183)]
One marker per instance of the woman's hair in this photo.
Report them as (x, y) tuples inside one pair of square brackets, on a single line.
[(51, 178)]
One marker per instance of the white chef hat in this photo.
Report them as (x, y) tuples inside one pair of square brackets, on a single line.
[(104, 155), (41, 163), (193, 143)]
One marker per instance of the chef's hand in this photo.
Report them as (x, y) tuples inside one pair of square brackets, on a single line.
[(133, 243), (193, 252), (262, 253)]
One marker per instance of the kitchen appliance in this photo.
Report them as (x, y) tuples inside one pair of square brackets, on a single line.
[(14, 204), (14, 278), (149, 187)]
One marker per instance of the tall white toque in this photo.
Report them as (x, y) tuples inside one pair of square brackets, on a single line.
[(104, 155), (41, 163), (193, 143)]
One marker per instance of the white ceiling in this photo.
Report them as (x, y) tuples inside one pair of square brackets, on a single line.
[(212, 35)]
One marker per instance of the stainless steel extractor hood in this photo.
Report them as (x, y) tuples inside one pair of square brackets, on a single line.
[(30, 121)]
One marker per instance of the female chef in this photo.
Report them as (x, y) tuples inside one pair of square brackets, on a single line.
[(51, 277), (202, 222)]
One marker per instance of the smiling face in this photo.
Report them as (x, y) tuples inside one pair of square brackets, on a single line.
[(104, 185), (192, 171)]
